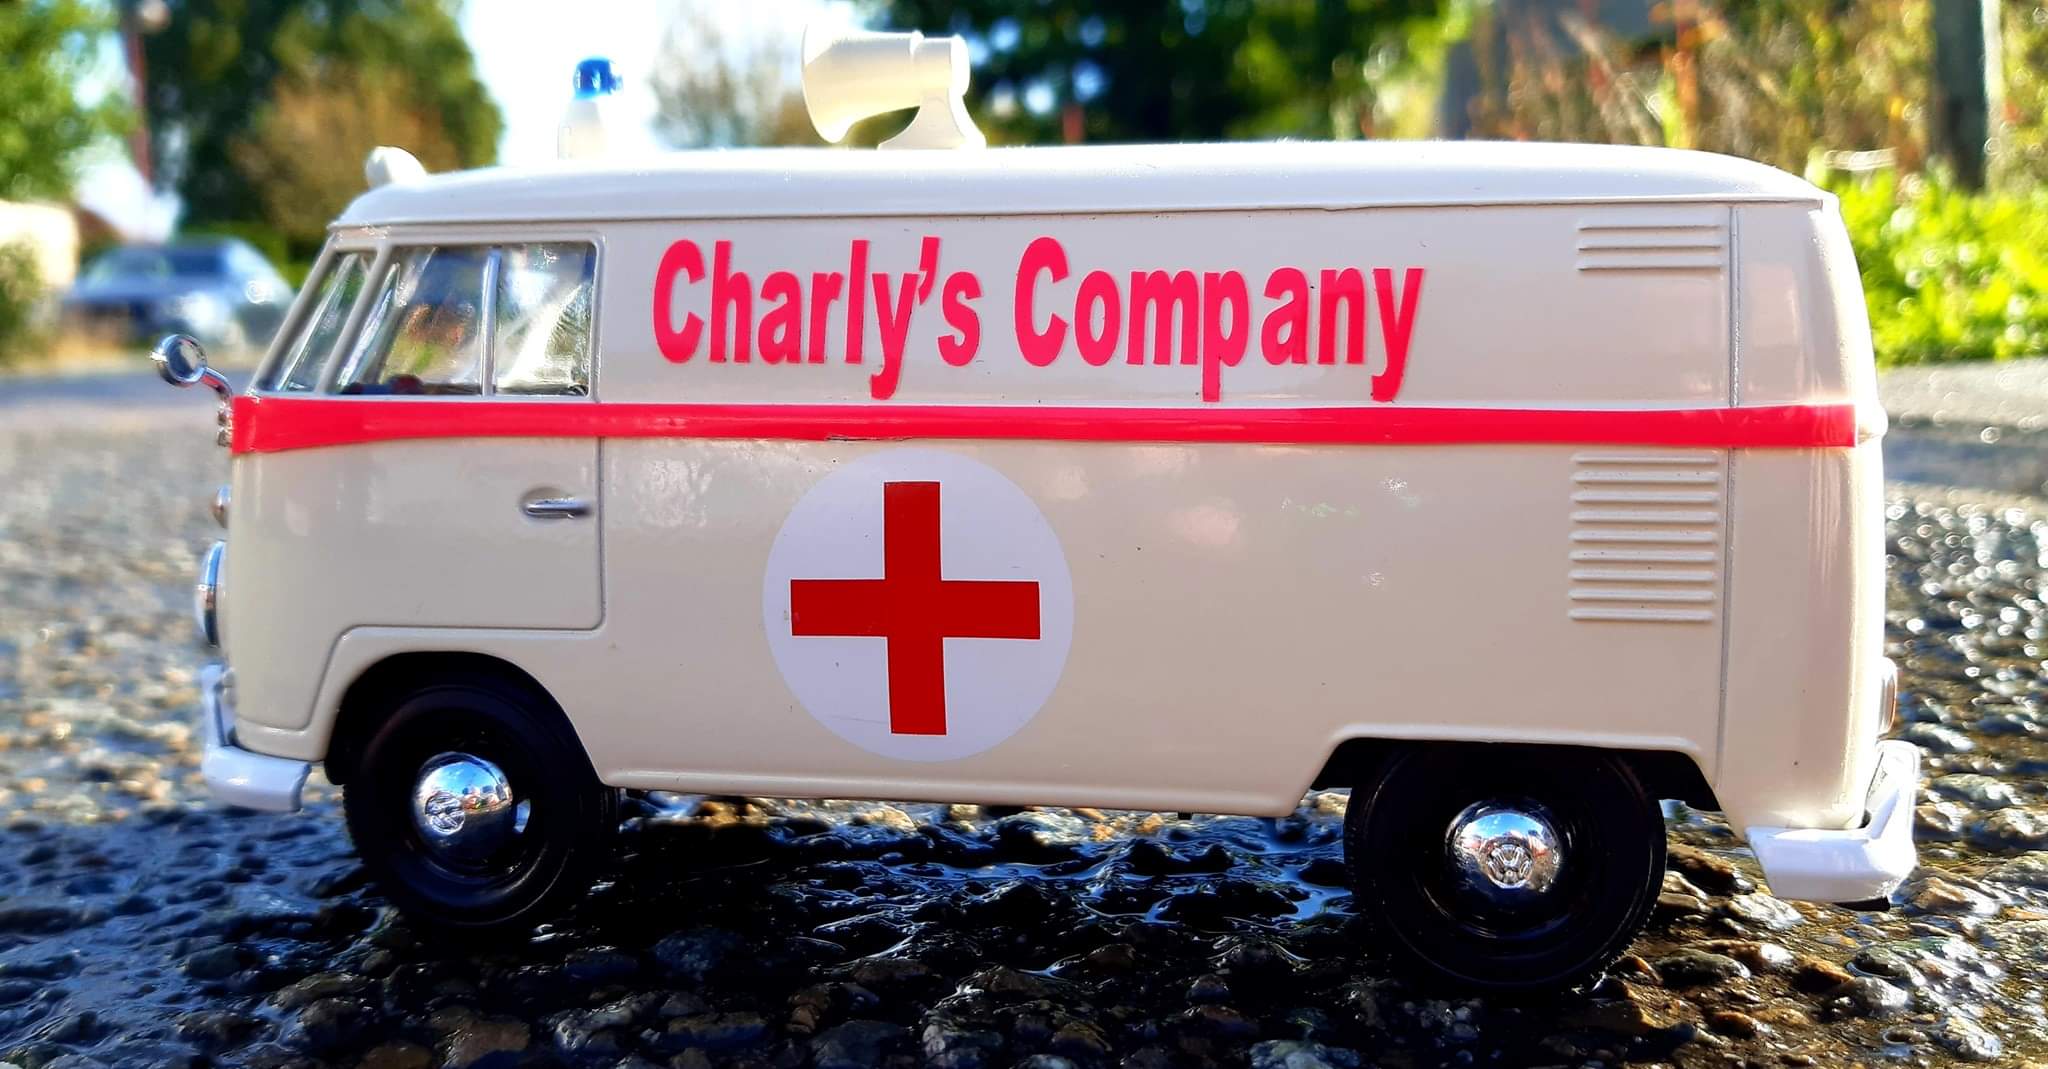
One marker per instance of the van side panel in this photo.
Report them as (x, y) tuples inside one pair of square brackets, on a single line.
[(1239, 610), (1806, 598), (1594, 305), (425, 534)]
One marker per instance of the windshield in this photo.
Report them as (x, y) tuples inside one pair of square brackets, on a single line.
[(136, 264)]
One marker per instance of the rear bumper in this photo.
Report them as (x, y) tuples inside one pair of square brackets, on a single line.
[(234, 775), (1855, 864)]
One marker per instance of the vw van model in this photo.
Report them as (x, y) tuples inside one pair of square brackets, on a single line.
[(1513, 487)]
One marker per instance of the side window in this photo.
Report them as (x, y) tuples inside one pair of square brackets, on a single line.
[(424, 333), (299, 365), (541, 341)]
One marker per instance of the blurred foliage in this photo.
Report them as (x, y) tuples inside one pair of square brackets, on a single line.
[(2019, 139), (347, 113), (712, 90), (1146, 70), (1949, 275), (1773, 80), (232, 82), (48, 45), (1821, 87), (21, 303)]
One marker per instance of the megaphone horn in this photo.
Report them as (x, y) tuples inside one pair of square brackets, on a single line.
[(849, 75)]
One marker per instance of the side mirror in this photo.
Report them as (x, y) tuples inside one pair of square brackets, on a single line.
[(181, 362), (179, 359)]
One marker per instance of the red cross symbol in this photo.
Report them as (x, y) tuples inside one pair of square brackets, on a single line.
[(914, 608)]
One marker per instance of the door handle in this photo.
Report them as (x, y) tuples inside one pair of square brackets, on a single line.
[(556, 508)]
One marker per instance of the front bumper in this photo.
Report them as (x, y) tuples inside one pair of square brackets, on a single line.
[(234, 775), (1855, 864)]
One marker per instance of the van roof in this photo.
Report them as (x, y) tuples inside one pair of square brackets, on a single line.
[(782, 183)]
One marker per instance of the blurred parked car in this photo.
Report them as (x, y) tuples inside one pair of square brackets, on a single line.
[(220, 290)]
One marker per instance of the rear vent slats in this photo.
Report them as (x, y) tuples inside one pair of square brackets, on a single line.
[(1675, 239), (1665, 476), (1648, 549)]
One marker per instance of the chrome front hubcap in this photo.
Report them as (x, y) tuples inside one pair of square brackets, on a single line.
[(462, 806), (1504, 856)]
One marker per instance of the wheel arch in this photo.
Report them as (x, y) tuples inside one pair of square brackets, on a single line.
[(370, 693), (1665, 773)]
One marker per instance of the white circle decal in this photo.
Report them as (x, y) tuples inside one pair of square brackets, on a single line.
[(918, 605)]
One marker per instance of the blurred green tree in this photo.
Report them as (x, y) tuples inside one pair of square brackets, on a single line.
[(1149, 70), (2019, 141), (43, 123), (346, 113), (217, 70), (1787, 82)]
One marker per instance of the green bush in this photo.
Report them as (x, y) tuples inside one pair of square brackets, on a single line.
[(1949, 275), (21, 297)]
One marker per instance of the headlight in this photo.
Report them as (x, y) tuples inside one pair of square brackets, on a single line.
[(206, 594)]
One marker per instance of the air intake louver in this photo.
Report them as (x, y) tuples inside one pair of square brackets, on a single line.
[(1646, 536), (1666, 239)]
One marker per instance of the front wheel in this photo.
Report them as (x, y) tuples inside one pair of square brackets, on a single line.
[(1514, 869), (474, 807)]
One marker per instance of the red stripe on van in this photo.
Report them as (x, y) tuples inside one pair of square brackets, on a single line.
[(271, 424)]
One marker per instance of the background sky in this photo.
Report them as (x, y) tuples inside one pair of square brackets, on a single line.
[(526, 52)]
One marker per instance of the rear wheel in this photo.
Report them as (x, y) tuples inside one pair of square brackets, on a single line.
[(474, 807), (1504, 868)]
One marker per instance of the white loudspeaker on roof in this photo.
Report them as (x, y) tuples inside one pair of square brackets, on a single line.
[(387, 164), (850, 75)]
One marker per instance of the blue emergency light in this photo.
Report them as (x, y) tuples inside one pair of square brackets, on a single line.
[(594, 78)]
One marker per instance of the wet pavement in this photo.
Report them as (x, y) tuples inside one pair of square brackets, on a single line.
[(140, 926)]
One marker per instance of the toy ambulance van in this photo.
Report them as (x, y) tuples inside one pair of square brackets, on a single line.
[(1514, 487)]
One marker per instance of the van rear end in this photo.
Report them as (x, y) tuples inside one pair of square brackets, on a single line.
[(1808, 690)]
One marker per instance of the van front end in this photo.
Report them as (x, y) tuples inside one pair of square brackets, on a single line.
[(235, 776)]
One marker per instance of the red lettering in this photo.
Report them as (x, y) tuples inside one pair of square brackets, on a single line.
[(1098, 296), (1397, 325), (1339, 288), (1215, 310), (961, 287), (824, 290), (1221, 350), (782, 324), (856, 301), (1040, 347), (1164, 294), (1292, 315), (729, 290), (686, 259), (895, 327), (927, 267)]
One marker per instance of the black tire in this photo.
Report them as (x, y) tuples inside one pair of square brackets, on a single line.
[(568, 819), (1611, 850)]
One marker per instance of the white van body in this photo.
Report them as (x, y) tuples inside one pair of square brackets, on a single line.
[(1465, 442)]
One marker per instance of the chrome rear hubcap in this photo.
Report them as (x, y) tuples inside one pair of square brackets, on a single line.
[(462, 806), (1506, 856)]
